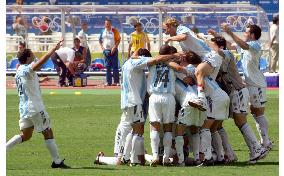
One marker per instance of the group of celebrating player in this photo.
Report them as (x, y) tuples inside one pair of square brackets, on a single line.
[(188, 95)]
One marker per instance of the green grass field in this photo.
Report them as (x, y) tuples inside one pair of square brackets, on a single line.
[(85, 124)]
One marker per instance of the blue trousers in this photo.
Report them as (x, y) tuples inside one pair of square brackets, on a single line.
[(111, 64)]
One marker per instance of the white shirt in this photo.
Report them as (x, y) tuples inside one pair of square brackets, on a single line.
[(28, 91), (250, 63), (185, 93), (161, 79), (192, 42), (274, 31), (134, 84), (66, 54), (83, 38)]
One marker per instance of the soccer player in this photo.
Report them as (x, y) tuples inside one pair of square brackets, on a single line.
[(239, 96), (250, 51), (31, 108), (133, 91), (190, 42), (217, 111)]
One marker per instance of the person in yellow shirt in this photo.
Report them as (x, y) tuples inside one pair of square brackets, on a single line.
[(138, 39)]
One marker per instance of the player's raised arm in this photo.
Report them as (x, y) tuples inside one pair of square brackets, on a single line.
[(238, 40), (215, 34), (44, 58)]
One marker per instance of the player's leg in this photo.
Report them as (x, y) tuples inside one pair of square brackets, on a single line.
[(229, 152), (138, 150), (155, 141), (217, 142), (195, 138), (167, 142), (205, 141), (179, 142), (17, 139), (102, 159)]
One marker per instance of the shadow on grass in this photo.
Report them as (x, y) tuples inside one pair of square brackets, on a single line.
[(245, 164), (95, 167)]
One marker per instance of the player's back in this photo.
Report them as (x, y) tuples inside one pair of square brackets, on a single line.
[(192, 42), (28, 91), (161, 79)]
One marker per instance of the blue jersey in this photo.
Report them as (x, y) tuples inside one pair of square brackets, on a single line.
[(134, 84), (28, 91), (161, 79), (250, 63)]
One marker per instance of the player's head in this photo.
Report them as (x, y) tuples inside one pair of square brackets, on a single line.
[(220, 42), (275, 19), (78, 56), (77, 42), (21, 46), (170, 26), (192, 58), (144, 52), (84, 26), (107, 23), (253, 32), (25, 57), (138, 27), (167, 49)]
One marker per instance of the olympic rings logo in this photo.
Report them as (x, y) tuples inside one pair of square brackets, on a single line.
[(239, 23), (150, 25), (45, 23)]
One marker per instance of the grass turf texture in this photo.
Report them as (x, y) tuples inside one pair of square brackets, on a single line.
[(85, 124)]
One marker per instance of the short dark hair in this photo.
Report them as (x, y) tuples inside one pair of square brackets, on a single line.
[(255, 29), (23, 44), (76, 39), (275, 19), (220, 41), (167, 49), (144, 52), (192, 58), (137, 24), (108, 19), (23, 56)]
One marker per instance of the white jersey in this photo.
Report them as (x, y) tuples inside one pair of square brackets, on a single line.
[(161, 79), (134, 84), (83, 38), (250, 63), (29, 91), (66, 54), (210, 85), (184, 92), (192, 42)]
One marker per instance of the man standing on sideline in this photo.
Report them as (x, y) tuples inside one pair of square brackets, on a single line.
[(109, 41), (274, 45), (84, 42), (138, 39)]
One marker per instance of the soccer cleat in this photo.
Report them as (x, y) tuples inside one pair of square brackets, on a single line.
[(61, 165), (231, 158), (268, 146), (97, 160), (259, 153), (206, 163), (199, 103), (154, 163)]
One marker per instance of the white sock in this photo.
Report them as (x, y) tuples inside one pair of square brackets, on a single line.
[(137, 148), (108, 160), (195, 138), (167, 141), (52, 148), (117, 139), (17, 139), (217, 145), (148, 158), (179, 148), (249, 138), (262, 128), (128, 147), (205, 143), (125, 130), (225, 142), (155, 141)]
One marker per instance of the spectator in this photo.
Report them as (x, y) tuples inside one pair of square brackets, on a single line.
[(20, 27), (274, 45), (138, 39), (77, 67), (80, 49), (21, 46), (63, 58), (84, 42), (109, 41)]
